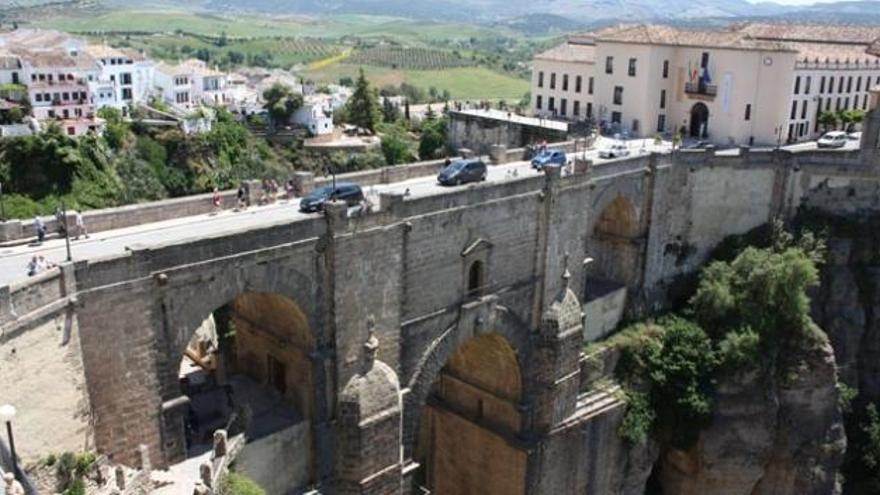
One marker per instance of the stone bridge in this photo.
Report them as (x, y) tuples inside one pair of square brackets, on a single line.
[(436, 342)]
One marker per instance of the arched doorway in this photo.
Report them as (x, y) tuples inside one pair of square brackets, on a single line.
[(247, 369), (699, 120), (616, 249), (467, 432)]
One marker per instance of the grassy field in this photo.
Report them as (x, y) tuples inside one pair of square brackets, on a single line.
[(462, 83), (461, 59), (262, 25)]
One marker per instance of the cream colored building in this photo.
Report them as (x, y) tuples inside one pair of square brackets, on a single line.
[(748, 84)]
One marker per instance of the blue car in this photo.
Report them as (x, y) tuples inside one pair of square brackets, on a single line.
[(548, 158)]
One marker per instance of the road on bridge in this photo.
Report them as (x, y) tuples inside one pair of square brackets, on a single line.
[(13, 260)]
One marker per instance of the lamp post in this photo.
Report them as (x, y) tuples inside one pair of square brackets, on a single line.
[(7, 414), (2, 206), (66, 231)]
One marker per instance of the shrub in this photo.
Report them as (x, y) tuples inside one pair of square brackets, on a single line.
[(238, 484), (638, 419), (739, 349)]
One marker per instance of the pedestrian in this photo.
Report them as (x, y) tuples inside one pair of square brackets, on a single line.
[(59, 219), (290, 189), (216, 202), (33, 266), (80, 226), (275, 188), (240, 197), (40, 227)]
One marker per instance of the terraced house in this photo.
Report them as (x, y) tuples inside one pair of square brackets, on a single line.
[(750, 83)]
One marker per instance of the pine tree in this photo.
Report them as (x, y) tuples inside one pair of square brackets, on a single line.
[(406, 109), (363, 110)]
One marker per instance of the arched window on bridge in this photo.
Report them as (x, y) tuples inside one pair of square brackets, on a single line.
[(476, 279)]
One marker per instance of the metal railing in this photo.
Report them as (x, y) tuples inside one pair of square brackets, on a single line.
[(697, 88)]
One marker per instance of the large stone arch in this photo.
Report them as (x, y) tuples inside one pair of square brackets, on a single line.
[(616, 239), (476, 319), (279, 295)]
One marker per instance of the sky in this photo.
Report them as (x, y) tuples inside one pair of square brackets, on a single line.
[(798, 2)]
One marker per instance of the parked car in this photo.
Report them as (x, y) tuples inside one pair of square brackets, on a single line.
[(699, 145), (350, 193), (616, 150), (462, 172), (548, 158), (833, 139)]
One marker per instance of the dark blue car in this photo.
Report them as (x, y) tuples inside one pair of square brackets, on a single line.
[(548, 158), (350, 193), (462, 172)]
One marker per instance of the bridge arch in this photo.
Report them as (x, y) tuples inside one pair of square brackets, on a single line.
[(264, 357), (616, 238), (465, 396)]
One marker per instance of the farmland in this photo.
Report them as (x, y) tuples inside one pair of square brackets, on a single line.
[(466, 61)]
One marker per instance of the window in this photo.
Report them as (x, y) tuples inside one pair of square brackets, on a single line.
[(126, 93), (662, 98), (590, 86), (748, 111), (576, 111), (618, 95), (616, 117), (804, 109), (476, 279), (665, 69), (551, 104), (51, 114), (635, 126), (552, 80), (822, 85), (632, 67), (589, 109), (704, 61), (126, 78), (563, 106), (856, 102), (38, 97), (276, 374), (797, 85), (71, 131), (859, 84), (541, 79), (840, 85), (538, 101), (661, 123), (609, 65), (577, 84), (849, 84), (807, 86), (846, 103), (65, 113), (565, 82), (793, 114), (65, 96)]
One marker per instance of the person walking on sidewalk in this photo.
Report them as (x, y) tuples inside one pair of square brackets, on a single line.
[(80, 226), (216, 201), (40, 228)]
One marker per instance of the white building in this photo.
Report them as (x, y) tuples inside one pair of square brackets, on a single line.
[(316, 115), (125, 77), (750, 83), (190, 84)]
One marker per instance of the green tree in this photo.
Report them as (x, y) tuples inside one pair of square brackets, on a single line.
[(390, 111), (281, 103), (116, 129), (433, 139), (362, 109), (828, 120), (395, 147)]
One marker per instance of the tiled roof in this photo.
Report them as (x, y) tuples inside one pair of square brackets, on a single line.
[(569, 52), (106, 51), (833, 52), (57, 58), (655, 34), (822, 33)]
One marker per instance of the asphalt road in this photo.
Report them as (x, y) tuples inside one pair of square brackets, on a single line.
[(13, 260)]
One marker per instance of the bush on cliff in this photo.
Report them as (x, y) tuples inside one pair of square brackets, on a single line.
[(744, 310)]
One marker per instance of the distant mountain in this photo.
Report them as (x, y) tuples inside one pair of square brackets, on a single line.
[(547, 16)]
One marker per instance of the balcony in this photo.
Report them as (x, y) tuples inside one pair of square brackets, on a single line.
[(701, 89)]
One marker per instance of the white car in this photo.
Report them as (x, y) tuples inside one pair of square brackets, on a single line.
[(833, 139), (616, 150), (854, 136)]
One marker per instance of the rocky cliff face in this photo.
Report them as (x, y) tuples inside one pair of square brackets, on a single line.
[(773, 433), (847, 306)]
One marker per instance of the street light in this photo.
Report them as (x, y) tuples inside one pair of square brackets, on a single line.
[(2, 206), (7, 414), (66, 231)]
